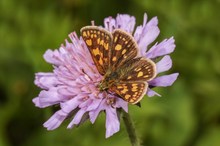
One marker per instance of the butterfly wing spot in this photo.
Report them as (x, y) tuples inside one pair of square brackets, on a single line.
[(115, 39), (118, 47), (101, 54), (98, 40), (106, 46), (137, 69), (114, 58), (96, 51), (124, 90), (84, 34), (89, 42), (101, 42), (133, 85), (100, 61), (140, 74), (131, 100), (134, 89), (127, 96), (123, 52), (119, 87)]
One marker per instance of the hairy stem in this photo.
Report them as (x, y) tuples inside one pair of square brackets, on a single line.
[(130, 129)]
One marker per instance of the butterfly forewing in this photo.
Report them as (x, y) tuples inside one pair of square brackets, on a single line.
[(124, 48), (138, 69), (98, 41), (131, 92)]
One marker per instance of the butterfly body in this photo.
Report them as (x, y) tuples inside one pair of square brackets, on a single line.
[(116, 58)]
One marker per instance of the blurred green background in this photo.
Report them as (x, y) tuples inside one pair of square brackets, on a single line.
[(188, 114)]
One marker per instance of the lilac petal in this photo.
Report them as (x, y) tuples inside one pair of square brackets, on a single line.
[(36, 101), (94, 105), (55, 120), (45, 80), (68, 91), (85, 103), (77, 118), (164, 64), (94, 114), (112, 123), (163, 48), (125, 22), (139, 29), (149, 33), (120, 103), (164, 81), (151, 93), (109, 23), (53, 57), (48, 98), (70, 105)]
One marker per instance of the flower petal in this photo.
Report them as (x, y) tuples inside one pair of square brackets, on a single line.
[(55, 120), (139, 29), (52, 57), (70, 105), (77, 118), (109, 23), (151, 93), (45, 80), (94, 113), (112, 123), (48, 98), (120, 103), (148, 34), (163, 48), (125, 22), (164, 81), (164, 64)]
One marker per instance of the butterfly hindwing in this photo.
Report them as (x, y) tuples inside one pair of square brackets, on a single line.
[(131, 92), (98, 41), (124, 48)]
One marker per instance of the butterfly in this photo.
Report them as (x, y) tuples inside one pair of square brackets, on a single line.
[(115, 55)]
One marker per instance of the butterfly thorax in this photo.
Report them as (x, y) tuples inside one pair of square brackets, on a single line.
[(108, 80)]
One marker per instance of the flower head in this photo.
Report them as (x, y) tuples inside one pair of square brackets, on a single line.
[(73, 83)]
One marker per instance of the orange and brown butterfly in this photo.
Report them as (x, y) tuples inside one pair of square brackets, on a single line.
[(116, 57)]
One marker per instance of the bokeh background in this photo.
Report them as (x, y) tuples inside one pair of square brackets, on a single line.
[(188, 114)]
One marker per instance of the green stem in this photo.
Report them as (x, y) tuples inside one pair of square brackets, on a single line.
[(130, 129)]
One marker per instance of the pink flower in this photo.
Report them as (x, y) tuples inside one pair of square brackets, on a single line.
[(73, 83)]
